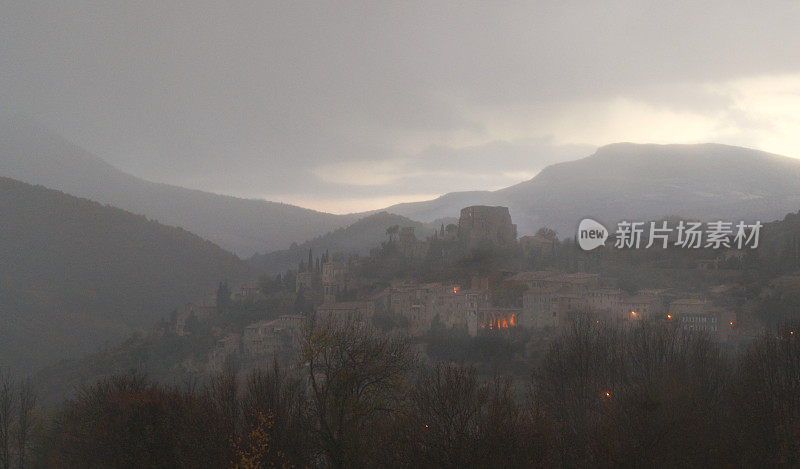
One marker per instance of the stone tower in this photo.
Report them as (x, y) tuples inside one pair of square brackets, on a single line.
[(480, 223)]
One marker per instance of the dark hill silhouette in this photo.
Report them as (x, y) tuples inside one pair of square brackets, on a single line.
[(75, 274)]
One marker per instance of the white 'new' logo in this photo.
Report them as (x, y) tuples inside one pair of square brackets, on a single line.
[(591, 234)]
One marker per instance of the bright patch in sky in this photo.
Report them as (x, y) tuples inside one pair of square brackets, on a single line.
[(761, 112), (344, 205)]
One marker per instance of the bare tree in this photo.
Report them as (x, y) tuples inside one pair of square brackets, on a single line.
[(619, 395), (767, 399), (27, 402), (281, 394), (357, 377), (223, 392), (6, 417), (446, 406)]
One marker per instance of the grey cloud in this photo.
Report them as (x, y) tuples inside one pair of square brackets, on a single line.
[(440, 169), (249, 98)]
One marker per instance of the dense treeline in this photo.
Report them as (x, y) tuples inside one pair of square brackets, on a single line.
[(601, 396), (19, 421), (358, 237), (163, 355)]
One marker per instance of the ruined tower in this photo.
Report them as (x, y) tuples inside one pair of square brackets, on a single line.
[(481, 224)]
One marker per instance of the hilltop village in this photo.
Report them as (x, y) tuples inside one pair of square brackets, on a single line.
[(475, 279)]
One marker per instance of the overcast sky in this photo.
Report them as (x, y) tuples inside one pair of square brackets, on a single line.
[(346, 106)]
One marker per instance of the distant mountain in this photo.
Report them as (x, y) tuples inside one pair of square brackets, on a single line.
[(75, 274), (244, 226), (359, 237), (447, 205), (640, 182)]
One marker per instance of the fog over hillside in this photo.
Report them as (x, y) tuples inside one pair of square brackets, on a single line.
[(35, 155), (618, 181), (76, 275)]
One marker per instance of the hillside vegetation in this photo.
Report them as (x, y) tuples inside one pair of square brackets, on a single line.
[(75, 274), (359, 237)]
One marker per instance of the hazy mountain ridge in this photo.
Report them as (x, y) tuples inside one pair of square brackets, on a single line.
[(641, 182), (244, 226), (447, 205), (619, 181), (75, 274)]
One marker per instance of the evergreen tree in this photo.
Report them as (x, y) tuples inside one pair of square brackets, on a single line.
[(392, 231), (223, 297)]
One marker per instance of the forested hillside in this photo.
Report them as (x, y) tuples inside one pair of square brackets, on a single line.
[(75, 274), (359, 237)]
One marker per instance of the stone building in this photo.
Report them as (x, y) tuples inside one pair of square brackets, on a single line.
[(345, 310), (455, 307), (685, 306), (553, 299), (578, 282), (605, 299), (449, 304), (701, 315), (228, 346), (533, 280), (334, 280), (641, 306), (272, 337), (411, 300), (194, 312), (249, 292), (481, 224)]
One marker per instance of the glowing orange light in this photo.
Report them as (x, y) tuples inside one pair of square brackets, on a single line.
[(498, 320), (731, 323), (608, 394), (669, 316)]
